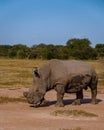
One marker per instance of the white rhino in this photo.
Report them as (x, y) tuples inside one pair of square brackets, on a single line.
[(65, 76)]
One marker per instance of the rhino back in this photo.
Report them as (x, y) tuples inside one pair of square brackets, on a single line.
[(61, 71), (66, 69), (78, 67)]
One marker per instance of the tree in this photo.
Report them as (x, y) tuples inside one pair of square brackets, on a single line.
[(81, 49), (56, 51), (39, 51), (51, 52), (4, 50), (75, 48), (77, 43), (19, 51), (44, 51), (100, 50)]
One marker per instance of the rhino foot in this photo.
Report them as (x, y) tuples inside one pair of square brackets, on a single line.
[(59, 105), (77, 102), (44, 102), (94, 102)]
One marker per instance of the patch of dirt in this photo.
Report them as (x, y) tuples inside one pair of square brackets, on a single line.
[(20, 116)]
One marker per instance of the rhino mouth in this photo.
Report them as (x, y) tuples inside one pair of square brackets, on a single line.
[(35, 102), (41, 103)]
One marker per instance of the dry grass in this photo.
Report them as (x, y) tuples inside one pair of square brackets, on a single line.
[(75, 113), (11, 99), (17, 73), (99, 67)]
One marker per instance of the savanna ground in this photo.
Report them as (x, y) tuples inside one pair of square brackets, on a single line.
[(16, 114)]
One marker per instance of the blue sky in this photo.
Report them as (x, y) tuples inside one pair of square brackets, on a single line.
[(51, 21)]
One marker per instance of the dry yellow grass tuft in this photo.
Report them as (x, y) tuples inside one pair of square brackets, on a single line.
[(11, 99), (75, 113), (99, 67)]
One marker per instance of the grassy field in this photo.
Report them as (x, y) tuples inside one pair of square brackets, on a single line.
[(16, 73)]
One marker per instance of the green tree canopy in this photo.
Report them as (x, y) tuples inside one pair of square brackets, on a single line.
[(74, 49), (100, 50), (4, 50), (19, 51), (77, 43), (81, 49)]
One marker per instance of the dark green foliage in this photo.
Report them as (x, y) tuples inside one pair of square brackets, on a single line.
[(55, 52), (4, 50), (39, 51), (43, 51), (78, 43), (100, 50), (81, 49), (19, 51), (74, 49)]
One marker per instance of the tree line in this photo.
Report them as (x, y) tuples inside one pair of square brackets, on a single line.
[(74, 49)]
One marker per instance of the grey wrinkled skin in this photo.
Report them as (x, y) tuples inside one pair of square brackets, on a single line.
[(65, 76)]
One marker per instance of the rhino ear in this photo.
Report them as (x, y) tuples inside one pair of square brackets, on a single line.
[(36, 73)]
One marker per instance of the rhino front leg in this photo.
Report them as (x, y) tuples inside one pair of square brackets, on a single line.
[(60, 94), (79, 96)]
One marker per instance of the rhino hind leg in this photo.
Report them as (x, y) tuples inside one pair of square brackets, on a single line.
[(94, 94), (93, 87), (79, 96)]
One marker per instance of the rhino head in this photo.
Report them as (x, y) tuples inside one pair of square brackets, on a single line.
[(35, 98), (35, 95)]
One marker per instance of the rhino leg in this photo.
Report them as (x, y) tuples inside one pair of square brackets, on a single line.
[(60, 94), (93, 87), (94, 93), (44, 102), (79, 96)]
